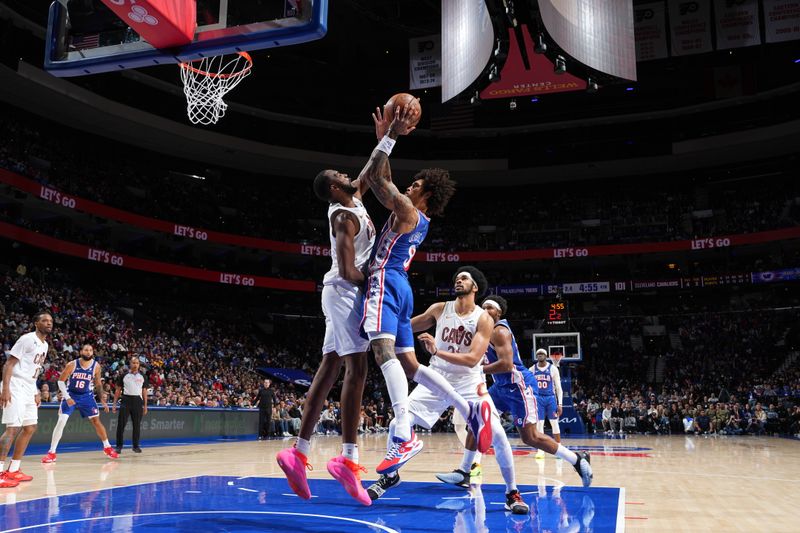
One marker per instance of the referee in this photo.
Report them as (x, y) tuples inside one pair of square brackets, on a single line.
[(132, 386)]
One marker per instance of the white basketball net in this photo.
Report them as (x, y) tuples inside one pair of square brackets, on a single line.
[(207, 80)]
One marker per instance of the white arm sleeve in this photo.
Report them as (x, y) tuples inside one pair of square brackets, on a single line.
[(556, 375), (62, 386)]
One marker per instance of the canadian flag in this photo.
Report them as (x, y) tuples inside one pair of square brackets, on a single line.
[(162, 23)]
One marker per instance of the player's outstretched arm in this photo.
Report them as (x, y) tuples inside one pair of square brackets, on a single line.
[(501, 340), (382, 124), (428, 319), (477, 350), (345, 227)]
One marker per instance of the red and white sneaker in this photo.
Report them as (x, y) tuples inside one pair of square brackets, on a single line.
[(49, 458), (7, 483), (108, 451), (17, 476), (294, 465), (399, 454), (348, 473), (480, 423)]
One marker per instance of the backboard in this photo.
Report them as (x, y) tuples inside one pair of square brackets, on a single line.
[(86, 37), (567, 344)]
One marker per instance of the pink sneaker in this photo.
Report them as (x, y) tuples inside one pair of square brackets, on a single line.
[(294, 465), (111, 452), (399, 454), (348, 474), (49, 458)]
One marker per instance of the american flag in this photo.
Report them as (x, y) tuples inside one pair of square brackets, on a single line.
[(82, 42)]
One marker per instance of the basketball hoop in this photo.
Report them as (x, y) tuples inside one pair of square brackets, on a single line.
[(207, 80), (556, 357)]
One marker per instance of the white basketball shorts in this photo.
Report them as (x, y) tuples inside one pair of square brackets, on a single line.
[(22, 408), (427, 406), (341, 306)]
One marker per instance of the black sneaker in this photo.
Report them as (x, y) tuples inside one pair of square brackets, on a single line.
[(515, 504), (584, 468), (384, 483), (457, 477), (136, 449)]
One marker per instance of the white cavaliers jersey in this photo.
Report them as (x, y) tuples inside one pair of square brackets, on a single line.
[(454, 333), (31, 354), (362, 242)]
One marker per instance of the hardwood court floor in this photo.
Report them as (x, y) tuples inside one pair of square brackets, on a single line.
[(670, 483)]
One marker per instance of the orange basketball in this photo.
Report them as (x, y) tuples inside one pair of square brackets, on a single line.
[(402, 99)]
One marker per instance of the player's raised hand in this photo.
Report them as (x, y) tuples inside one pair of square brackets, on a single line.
[(428, 341), (381, 123), (404, 118)]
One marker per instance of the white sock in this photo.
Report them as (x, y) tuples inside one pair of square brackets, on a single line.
[(303, 446), (397, 384), (350, 451), (567, 455), (478, 457), (14, 466), (438, 384), (58, 430), (467, 460), (504, 455), (106, 444)]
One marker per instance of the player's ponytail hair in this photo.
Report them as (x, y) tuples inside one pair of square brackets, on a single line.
[(437, 182)]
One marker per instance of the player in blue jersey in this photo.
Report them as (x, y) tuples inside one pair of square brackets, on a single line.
[(512, 392), (77, 384), (389, 303), (546, 386)]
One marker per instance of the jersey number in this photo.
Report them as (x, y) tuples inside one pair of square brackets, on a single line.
[(542, 384), (80, 384), (412, 250)]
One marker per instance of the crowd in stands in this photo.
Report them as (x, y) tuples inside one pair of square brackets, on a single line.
[(718, 369), (530, 217)]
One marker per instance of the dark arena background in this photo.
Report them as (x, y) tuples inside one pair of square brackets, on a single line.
[(626, 179)]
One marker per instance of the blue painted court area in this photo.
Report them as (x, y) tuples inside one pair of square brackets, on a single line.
[(212, 503)]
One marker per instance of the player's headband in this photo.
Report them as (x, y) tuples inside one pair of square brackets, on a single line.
[(541, 351), (468, 276), (492, 303)]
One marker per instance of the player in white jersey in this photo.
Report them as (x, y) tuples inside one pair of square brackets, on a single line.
[(352, 236), (462, 335), (19, 397)]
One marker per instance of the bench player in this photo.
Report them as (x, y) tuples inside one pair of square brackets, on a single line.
[(77, 384)]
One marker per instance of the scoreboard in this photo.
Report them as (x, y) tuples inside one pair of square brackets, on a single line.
[(556, 315)]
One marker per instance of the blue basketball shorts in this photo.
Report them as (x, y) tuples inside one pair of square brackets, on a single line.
[(84, 403), (388, 305)]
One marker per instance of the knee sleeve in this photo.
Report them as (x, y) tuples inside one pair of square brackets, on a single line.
[(554, 425)]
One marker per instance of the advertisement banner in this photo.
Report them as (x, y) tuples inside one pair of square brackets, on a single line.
[(690, 26), (774, 276), (289, 375), (148, 265), (520, 79), (425, 57), (650, 29), (645, 285), (737, 23), (781, 20)]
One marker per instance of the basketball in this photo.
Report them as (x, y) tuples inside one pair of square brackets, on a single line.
[(402, 99)]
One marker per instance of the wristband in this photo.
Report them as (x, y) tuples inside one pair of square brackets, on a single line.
[(386, 144), (435, 350)]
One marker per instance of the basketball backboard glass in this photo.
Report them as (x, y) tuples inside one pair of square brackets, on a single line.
[(86, 37), (568, 344)]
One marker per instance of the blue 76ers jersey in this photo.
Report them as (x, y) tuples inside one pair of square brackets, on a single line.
[(519, 373), (395, 251), (544, 381), (81, 381)]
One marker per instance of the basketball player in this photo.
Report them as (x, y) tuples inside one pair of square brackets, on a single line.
[(462, 337), (389, 302), (547, 388), (19, 397), (77, 384), (352, 236), (512, 392)]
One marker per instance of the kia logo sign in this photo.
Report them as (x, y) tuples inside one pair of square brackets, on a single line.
[(566, 420)]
